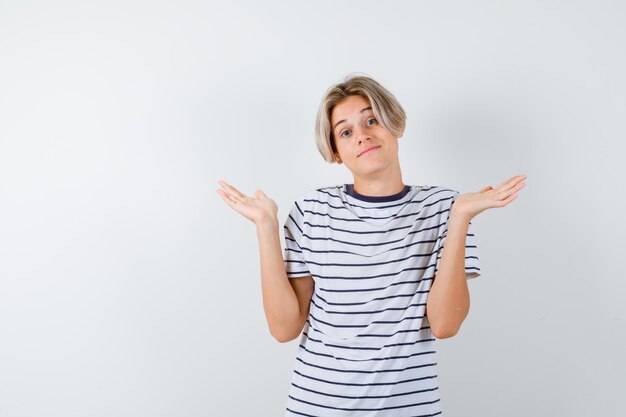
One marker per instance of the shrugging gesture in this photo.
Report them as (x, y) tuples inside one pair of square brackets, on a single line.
[(258, 210), (469, 205)]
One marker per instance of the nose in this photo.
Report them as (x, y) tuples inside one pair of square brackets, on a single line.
[(361, 134)]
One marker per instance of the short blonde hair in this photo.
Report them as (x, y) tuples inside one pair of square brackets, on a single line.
[(385, 106)]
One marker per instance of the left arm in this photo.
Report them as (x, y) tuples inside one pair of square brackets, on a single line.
[(448, 301)]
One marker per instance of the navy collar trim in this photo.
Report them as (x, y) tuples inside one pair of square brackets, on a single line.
[(349, 189)]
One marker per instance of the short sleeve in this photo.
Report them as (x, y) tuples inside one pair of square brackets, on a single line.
[(472, 265), (295, 265)]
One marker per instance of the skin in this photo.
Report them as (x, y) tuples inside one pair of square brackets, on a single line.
[(355, 129), (377, 173)]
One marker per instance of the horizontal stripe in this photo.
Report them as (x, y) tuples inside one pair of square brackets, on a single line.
[(298, 274), (296, 262), (378, 206), (364, 409), (351, 326), (354, 290), (395, 248), (385, 358), (346, 242), (366, 397), (356, 371), (317, 296), (313, 415), (404, 204), (300, 414), (355, 384), (367, 311), (362, 218), (390, 274), (373, 348), (367, 345)]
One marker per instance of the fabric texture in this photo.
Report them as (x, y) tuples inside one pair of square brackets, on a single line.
[(366, 348)]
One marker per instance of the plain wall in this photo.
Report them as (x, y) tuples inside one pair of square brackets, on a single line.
[(129, 288)]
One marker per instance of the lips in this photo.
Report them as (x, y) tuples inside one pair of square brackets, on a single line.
[(369, 149)]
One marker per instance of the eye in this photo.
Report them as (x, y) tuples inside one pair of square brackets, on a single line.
[(372, 120), (342, 133)]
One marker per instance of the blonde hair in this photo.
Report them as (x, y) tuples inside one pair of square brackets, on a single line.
[(385, 106)]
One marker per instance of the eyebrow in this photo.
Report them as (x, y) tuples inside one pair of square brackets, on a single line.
[(341, 121)]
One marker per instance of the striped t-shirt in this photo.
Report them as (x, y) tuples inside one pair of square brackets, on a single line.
[(366, 348)]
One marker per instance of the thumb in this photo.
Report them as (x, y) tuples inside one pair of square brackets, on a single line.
[(260, 194), (487, 188)]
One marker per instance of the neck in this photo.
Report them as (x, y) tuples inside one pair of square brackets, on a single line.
[(376, 187)]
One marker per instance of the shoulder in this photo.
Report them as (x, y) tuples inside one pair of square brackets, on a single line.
[(320, 194), (437, 189), (316, 196), (436, 195)]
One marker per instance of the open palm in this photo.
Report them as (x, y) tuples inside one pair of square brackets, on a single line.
[(259, 209), (469, 205)]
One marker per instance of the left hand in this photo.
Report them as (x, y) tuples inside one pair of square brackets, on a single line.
[(469, 205)]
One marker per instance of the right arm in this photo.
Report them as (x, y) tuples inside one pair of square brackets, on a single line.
[(286, 300)]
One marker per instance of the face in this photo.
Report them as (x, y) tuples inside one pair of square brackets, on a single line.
[(356, 130)]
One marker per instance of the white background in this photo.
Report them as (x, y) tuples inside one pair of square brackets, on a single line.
[(129, 288)]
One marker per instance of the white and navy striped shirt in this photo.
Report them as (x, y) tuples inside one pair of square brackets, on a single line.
[(366, 348)]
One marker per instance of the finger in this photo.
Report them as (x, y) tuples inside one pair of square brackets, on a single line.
[(511, 182), (507, 200), (504, 185), (518, 186), (227, 197), (229, 189), (232, 190)]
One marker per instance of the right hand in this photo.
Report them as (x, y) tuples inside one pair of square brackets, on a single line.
[(257, 210)]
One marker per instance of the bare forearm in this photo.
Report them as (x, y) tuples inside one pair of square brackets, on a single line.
[(448, 300), (280, 303)]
